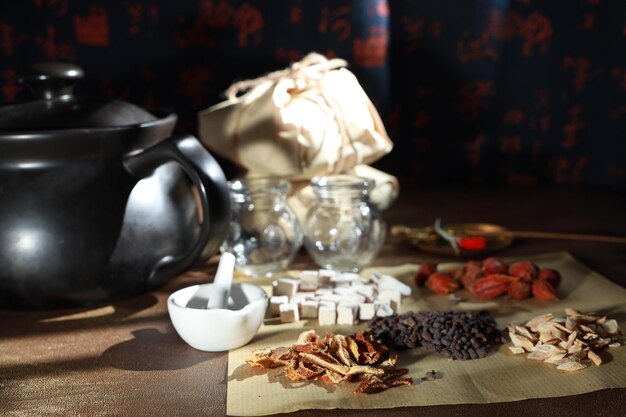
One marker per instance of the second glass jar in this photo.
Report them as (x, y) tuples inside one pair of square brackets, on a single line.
[(343, 230)]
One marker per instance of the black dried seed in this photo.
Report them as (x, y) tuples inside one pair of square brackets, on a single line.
[(454, 334)]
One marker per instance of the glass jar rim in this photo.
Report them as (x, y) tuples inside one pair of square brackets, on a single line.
[(250, 185), (342, 181)]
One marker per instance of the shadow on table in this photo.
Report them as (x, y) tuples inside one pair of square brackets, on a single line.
[(32, 323), (153, 350), (148, 350)]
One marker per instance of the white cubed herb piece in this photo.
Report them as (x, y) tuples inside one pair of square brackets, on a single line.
[(347, 314), (326, 275), (326, 315), (379, 302), (289, 313), (384, 310), (309, 309), (309, 280), (300, 297), (367, 311), (344, 279), (392, 283), (331, 298), (358, 282), (393, 296), (353, 299), (323, 291), (375, 279), (286, 286), (344, 290), (275, 302), (366, 291)]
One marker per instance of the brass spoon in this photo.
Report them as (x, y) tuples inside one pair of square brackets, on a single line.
[(445, 240)]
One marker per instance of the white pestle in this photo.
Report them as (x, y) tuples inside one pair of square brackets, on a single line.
[(222, 282)]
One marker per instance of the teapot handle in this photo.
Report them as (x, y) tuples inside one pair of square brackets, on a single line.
[(207, 177)]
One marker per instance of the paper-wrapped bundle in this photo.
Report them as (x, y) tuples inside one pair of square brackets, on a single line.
[(310, 119)]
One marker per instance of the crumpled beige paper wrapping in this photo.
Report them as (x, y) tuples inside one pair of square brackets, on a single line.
[(312, 118), (500, 377)]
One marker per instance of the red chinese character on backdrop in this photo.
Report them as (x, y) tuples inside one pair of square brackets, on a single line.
[(474, 149), (618, 172), (150, 99), (53, 50), (572, 127), (110, 91), (544, 123), (469, 48), (474, 96), (421, 144), (93, 29), (60, 6), (422, 91), (422, 119), (8, 41), (10, 87), (393, 121), (413, 29), (582, 74), (565, 173), (620, 75), (192, 35), (521, 179), (511, 145), (435, 29), (295, 14), (249, 20), (195, 84), (135, 10), (372, 51), (289, 55), (535, 30), (589, 20), (337, 21), (138, 12), (215, 16), (513, 117)]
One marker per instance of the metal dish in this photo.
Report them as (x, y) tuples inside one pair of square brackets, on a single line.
[(473, 239)]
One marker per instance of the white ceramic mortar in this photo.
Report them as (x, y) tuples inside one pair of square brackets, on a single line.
[(216, 330)]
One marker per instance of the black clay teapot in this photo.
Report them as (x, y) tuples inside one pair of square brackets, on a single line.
[(97, 200)]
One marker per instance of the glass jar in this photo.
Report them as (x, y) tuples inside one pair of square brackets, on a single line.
[(343, 231), (264, 231)]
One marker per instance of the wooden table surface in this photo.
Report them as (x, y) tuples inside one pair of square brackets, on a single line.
[(125, 359)]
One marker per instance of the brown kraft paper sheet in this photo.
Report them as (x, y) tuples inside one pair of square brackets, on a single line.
[(500, 377)]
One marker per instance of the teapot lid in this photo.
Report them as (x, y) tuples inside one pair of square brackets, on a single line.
[(55, 107)]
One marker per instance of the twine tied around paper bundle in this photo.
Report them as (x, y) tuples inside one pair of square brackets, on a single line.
[(311, 68), (306, 73)]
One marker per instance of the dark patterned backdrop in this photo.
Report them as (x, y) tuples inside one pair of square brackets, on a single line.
[(517, 91)]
